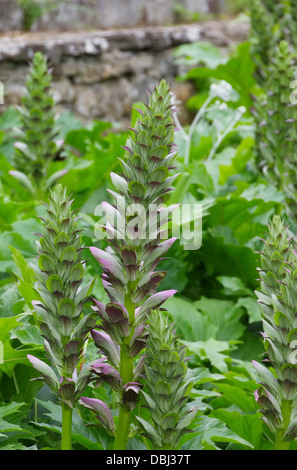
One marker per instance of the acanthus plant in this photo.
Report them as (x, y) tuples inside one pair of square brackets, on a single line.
[(277, 394), (293, 13), (62, 310), (274, 18), (134, 250), (38, 143), (262, 39), (283, 14), (276, 119)]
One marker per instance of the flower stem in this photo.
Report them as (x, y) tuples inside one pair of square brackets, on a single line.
[(126, 373), (66, 427), (121, 439), (193, 126), (224, 134), (166, 447), (280, 444)]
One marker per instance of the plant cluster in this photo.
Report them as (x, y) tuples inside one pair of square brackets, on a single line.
[(273, 48), (122, 363), (60, 299)]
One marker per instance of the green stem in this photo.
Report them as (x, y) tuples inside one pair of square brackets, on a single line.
[(123, 429), (126, 372), (66, 427), (121, 439), (280, 444), (166, 447), (223, 135), (193, 126)]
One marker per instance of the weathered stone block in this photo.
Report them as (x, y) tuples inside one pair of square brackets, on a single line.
[(100, 74), (102, 14), (11, 16), (63, 91), (159, 12), (99, 14), (194, 6), (204, 6)]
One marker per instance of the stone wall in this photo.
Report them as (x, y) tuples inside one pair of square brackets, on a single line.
[(100, 74), (104, 14)]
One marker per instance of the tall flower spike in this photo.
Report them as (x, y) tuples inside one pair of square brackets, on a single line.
[(38, 143), (135, 248), (60, 314), (262, 38), (276, 121), (166, 389), (277, 394)]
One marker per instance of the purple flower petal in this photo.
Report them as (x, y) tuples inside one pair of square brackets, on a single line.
[(108, 262), (102, 411), (156, 300), (104, 342), (130, 394), (46, 371)]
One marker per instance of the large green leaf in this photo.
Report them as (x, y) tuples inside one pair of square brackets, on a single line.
[(225, 315), (248, 426), (213, 351), (199, 53), (21, 237), (238, 71), (210, 432), (224, 257), (190, 323), (207, 319), (9, 356), (90, 437), (235, 395)]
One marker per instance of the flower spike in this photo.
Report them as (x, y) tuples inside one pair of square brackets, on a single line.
[(129, 264)]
